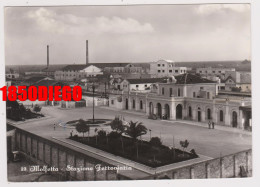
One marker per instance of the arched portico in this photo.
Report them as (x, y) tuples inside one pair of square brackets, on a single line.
[(167, 111), (159, 110), (179, 111), (234, 119), (151, 110)]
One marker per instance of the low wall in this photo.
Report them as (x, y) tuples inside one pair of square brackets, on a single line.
[(224, 167), (45, 152)]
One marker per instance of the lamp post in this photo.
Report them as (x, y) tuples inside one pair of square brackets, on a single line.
[(93, 89), (150, 134)]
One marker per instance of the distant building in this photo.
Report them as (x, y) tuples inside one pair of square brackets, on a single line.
[(238, 80), (166, 68), (11, 74), (77, 72), (210, 71), (138, 84)]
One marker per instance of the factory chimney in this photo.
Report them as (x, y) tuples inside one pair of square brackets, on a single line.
[(86, 52), (47, 56)]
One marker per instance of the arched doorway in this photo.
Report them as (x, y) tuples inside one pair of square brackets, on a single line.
[(179, 111), (159, 110), (190, 112), (234, 119), (221, 116), (167, 111), (150, 108), (141, 105), (199, 114), (209, 113), (126, 104)]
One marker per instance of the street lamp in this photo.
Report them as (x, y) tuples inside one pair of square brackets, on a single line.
[(93, 89), (150, 134)]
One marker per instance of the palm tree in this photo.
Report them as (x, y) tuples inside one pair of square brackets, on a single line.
[(134, 130)]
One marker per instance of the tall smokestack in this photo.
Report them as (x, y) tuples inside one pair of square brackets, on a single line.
[(86, 51), (47, 55)]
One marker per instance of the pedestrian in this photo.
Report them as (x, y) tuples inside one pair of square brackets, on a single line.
[(209, 123), (213, 124), (71, 133), (54, 127)]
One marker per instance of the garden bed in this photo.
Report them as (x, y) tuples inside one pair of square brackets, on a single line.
[(89, 122), (140, 151)]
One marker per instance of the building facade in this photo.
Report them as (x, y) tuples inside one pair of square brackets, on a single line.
[(166, 68), (188, 97)]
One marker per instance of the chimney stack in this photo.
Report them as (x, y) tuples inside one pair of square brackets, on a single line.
[(86, 52), (47, 56)]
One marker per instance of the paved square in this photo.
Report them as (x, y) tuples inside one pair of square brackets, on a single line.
[(208, 142)]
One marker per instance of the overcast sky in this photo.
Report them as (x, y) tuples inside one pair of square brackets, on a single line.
[(127, 33)]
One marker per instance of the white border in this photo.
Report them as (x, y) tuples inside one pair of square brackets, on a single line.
[(255, 7)]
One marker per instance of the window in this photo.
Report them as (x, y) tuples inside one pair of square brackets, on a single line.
[(170, 92), (200, 71), (214, 71), (112, 102), (194, 94), (163, 65), (145, 85), (201, 88), (159, 65), (170, 71), (176, 71), (159, 71), (163, 71), (136, 86), (219, 71), (207, 95), (221, 116), (162, 91), (179, 92), (133, 103)]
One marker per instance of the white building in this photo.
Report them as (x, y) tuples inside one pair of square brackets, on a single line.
[(166, 68), (77, 72)]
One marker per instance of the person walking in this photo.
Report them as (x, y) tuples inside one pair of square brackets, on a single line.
[(54, 126), (213, 124), (71, 133), (209, 123)]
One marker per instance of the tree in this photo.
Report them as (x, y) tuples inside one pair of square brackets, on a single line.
[(135, 129), (37, 108), (156, 141), (82, 127), (117, 125), (184, 145)]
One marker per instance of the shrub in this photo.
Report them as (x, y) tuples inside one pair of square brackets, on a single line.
[(113, 135), (102, 133), (156, 141)]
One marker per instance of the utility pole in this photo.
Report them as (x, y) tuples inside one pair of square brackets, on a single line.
[(93, 88)]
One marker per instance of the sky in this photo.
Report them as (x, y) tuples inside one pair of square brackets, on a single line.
[(147, 33)]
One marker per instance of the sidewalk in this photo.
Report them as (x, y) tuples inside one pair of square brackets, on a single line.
[(124, 111), (205, 125)]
